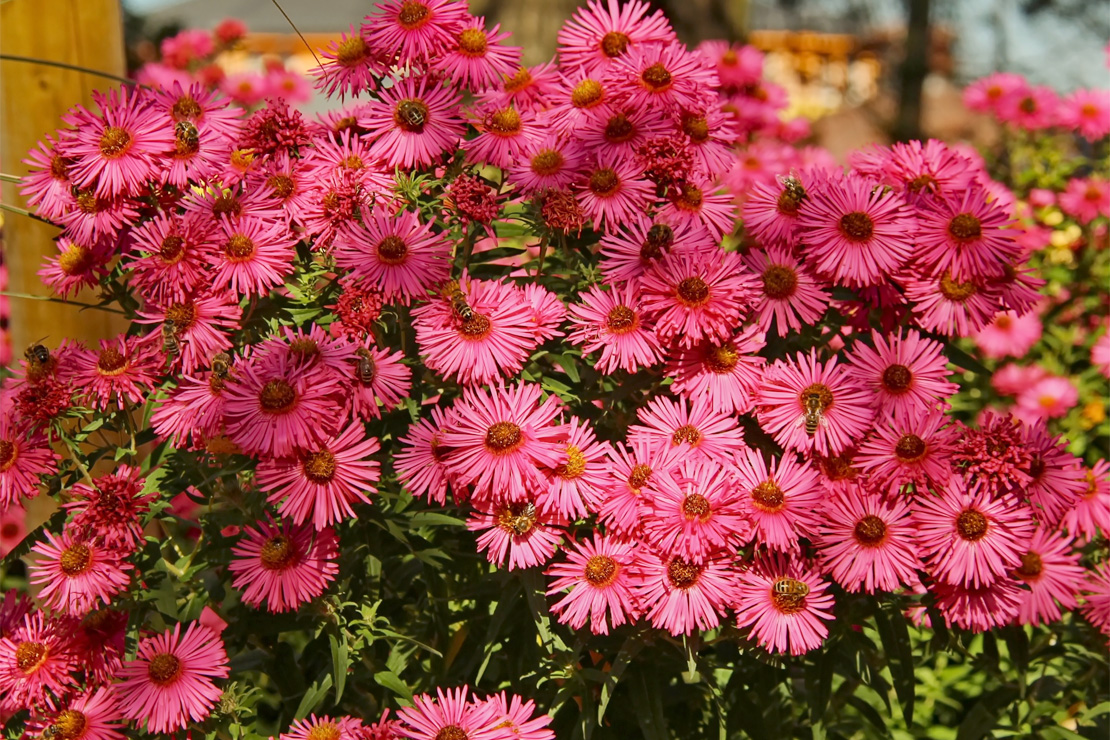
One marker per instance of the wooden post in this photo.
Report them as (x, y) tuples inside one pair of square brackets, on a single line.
[(87, 33)]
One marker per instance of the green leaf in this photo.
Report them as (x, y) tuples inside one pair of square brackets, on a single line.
[(869, 713), (312, 697), (819, 675), (984, 715), (393, 682), (569, 363), (533, 589), (899, 653), (422, 518), (963, 360), (631, 647), (648, 701), (340, 662), (500, 613)]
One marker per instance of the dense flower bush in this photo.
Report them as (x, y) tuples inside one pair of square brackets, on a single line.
[(510, 402)]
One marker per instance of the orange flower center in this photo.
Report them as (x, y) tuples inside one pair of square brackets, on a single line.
[(621, 320), (897, 379), (76, 559), (547, 162), (278, 553), (870, 531), (277, 397), (165, 669), (683, 574), (452, 732), (639, 476), (76, 260), (619, 129), (352, 51), (779, 282), (954, 291), (659, 239), (476, 328), (503, 437), (172, 249), (472, 42), (910, 448), (504, 122), (687, 434), (8, 454), (587, 94), (722, 359), (111, 362), (575, 465), (656, 77), (413, 15), (604, 182), (114, 142), (614, 43), (601, 570), (29, 656), (69, 725), (696, 127), (411, 115), (696, 506), (319, 467), (857, 226), (971, 525), (767, 496), (692, 292), (239, 248)]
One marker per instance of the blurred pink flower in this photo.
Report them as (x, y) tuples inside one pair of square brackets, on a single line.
[(1009, 334), (1048, 398), (1010, 380)]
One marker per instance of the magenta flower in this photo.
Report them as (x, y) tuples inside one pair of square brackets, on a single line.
[(603, 31), (908, 373), (414, 30), (37, 663), (76, 573), (1088, 112), (202, 323), (517, 532), (92, 715), (396, 253), (325, 728), (420, 461), (788, 296), (112, 512), (698, 201), (691, 426), (1056, 477), (548, 162), (785, 604), (477, 60), (350, 66), (77, 266), (416, 121), (1091, 514), (120, 374), (727, 373), (284, 565), (452, 716), (515, 716), (1051, 570), (24, 458), (619, 130), (626, 255), (613, 191), (627, 501), (663, 76), (387, 386), (176, 254), (1009, 333), (866, 541), (680, 596), (781, 499), (966, 235), (254, 255), (1096, 598), (979, 608), (1086, 199), (171, 680), (951, 307), (696, 511), (909, 448), (504, 135), (577, 482), (612, 321), (1048, 398), (599, 576)]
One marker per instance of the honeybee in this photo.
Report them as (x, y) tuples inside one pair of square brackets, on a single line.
[(813, 412), (51, 731), (793, 192), (790, 591), (364, 369), (454, 294), (188, 138), (412, 113), (171, 345), (221, 365), (39, 361), (522, 522)]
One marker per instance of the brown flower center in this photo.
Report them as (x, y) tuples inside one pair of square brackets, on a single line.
[(504, 122), (76, 260), (965, 227), (722, 359), (689, 198), (971, 525), (601, 570), (165, 669), (352, 51), (277, 397), (186, 108), (278, 553), (452, 732), (696, 506), (656, 77), (472, 42), (575, 465), (767, 496), (521, 79), (619, 129), (910, 448), (954, 291), (659, 239), (319, 467), (547, 162), (870, 531), (392, 250), (411, 115), (58, 167), (282, 186), (838, 467), (692, 292), (226, 204), (517, 519), (696, 127), (503, 437), (182, 314), (87, 202), (1030, 568), (897, 379), (476, 328), (857, 226), (818, 393), (779, 282), (172, 249), (114, 142), (621, 320), (239, 248), (413, 15), (1037, 467), (687, 434), (76, 559), (683, 574), (8, 454), (922, 182), (29, 656), (639, 476), (604, 182), (111, 362), (614, 43), (587, 94), (69, 725)]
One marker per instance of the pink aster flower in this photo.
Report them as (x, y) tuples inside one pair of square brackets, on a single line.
[(202, 323), (284, 565), (1086, 199), (618, 130), (323, 480), (548, 162), (601, 32), (1051, 570), (37, 662), (785, 603), (171, 680), (101, 644), (24, 458), (788, 296), (477, 60), (692, 425), (969, 538), (47, 186), (92, 715), (710, 132), (612, 321), (350, 66), (112, 511), (866, 541), (255, 255), (1088, 112), (1100, 354), (420, 461), (120, 374), (517, 532), (696, 511), (77, 266), (1091, 514), (950, 307), (856, 232), (696, 297), (387, 384), (577, 482), (663, 76), (627, 499), (1096, 597), (1056, 477), (1009, 333), (612, 191), (626, 255), (985, 94), (116, 152), (1030, 108), (680, 596), (500, 438), (450, 717), (923, 169), (548, 311), (980, 608), (529, 88), (414, 30), (272, 411), (491, 338), (698, 200), (325, 728), (75, 573), (966, 235), (415, 122), (1048, 398), (780, 499), (515, 715), (807, 405), (174, 257), (504, 135), (396, 253), (599, 576), (728, 373), (909, 448)]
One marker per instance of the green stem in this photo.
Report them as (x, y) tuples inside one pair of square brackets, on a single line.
[(51, 299), (28, 214), (70, 67), (5, 177)]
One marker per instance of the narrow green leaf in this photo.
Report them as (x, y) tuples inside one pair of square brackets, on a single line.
[(895, 637), (963, 360), (340, 662), (422, 518), (390, 680), (648, 700), (312, 697), (631, 647)]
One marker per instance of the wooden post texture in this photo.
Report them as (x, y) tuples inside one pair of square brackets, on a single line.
[(86, 33)]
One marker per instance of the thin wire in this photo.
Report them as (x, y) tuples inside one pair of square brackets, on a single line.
[(63, 65), (303, 39)]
